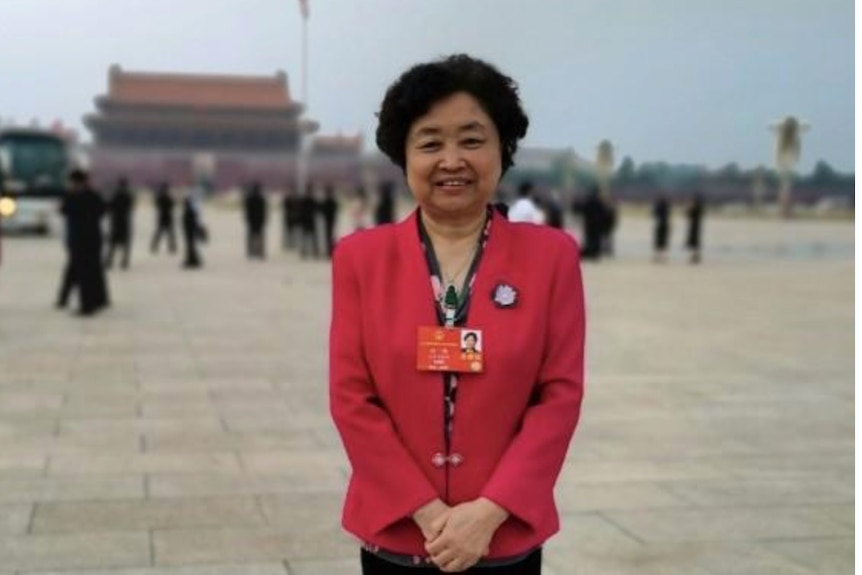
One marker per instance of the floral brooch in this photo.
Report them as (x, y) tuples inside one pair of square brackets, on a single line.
[(504, 296)]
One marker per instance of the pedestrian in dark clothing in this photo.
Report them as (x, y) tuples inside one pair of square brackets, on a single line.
[(164, 220), (290, 228), (609, 228), (553, 211), (83, 208), (193, 231), (67, 280), (594, 214), (661, 233), (255, 209), (385, 212), (308, 209), (694, 215), (120, 217), (329, 209)]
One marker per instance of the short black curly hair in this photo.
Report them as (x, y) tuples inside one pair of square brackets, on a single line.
[(423, 85)]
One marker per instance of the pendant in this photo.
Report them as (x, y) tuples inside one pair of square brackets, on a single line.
[(450, 304), (450, 300)]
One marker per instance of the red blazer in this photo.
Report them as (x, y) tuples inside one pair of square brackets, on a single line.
[(513, 422)]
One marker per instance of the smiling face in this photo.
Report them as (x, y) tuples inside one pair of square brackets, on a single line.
[(453, 159)]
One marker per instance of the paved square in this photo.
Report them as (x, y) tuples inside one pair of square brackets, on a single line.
[(186, 431)]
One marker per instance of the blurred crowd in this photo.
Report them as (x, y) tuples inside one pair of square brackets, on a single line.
[(99, 227)]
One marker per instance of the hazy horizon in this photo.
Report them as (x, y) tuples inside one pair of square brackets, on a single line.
[(693, 83)]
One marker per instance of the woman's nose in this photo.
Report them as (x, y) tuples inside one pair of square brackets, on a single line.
[(451, 158)]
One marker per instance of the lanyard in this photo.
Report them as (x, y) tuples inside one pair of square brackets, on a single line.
[(452, 309)]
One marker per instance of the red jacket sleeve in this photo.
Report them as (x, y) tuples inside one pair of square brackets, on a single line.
[(523, 481), (392, 485)]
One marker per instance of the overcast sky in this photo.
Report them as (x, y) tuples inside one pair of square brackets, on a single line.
[(685, 81)]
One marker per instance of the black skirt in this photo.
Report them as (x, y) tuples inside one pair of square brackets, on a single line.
[(374, 565)]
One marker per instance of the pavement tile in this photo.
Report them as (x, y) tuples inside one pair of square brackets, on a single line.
[(189, 442), (46, 489), (727, 524), (697, 558), (633, 495), (100, 551), (340, 567), (190, 547), (738, 492), (236, 569), (818, 555), (142, 463), (191, 485), (14, 519), (142, 515)]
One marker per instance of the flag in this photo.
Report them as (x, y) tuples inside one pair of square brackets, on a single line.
[(303, 8)]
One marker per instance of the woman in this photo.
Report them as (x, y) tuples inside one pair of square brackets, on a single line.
[(453, 468)]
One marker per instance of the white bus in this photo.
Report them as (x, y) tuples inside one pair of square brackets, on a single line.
[(33, 167)]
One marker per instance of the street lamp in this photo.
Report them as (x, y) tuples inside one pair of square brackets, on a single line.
[(605, 166), (787, 150)]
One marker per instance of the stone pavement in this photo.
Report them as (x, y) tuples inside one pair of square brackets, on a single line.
[(186, 431)]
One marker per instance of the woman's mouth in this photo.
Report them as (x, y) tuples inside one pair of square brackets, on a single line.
[(453, 184)]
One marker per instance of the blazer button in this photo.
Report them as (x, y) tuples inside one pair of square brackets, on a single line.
[(439, 460), (456, 459)]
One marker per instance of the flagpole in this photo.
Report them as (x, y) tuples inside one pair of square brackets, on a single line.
[(305, 60), (302, 159)]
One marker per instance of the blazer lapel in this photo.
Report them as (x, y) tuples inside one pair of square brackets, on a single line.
[(491, 272), (415, 283)]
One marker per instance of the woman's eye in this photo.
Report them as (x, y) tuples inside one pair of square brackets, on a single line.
[(429, 146), (473, 142)]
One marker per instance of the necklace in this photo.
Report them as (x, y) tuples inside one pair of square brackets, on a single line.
[(450, 281)]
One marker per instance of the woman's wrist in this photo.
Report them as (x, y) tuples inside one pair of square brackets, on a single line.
[(496, 514), (429, 511)]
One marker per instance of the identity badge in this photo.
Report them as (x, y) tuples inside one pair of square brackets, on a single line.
[(453, 349)]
